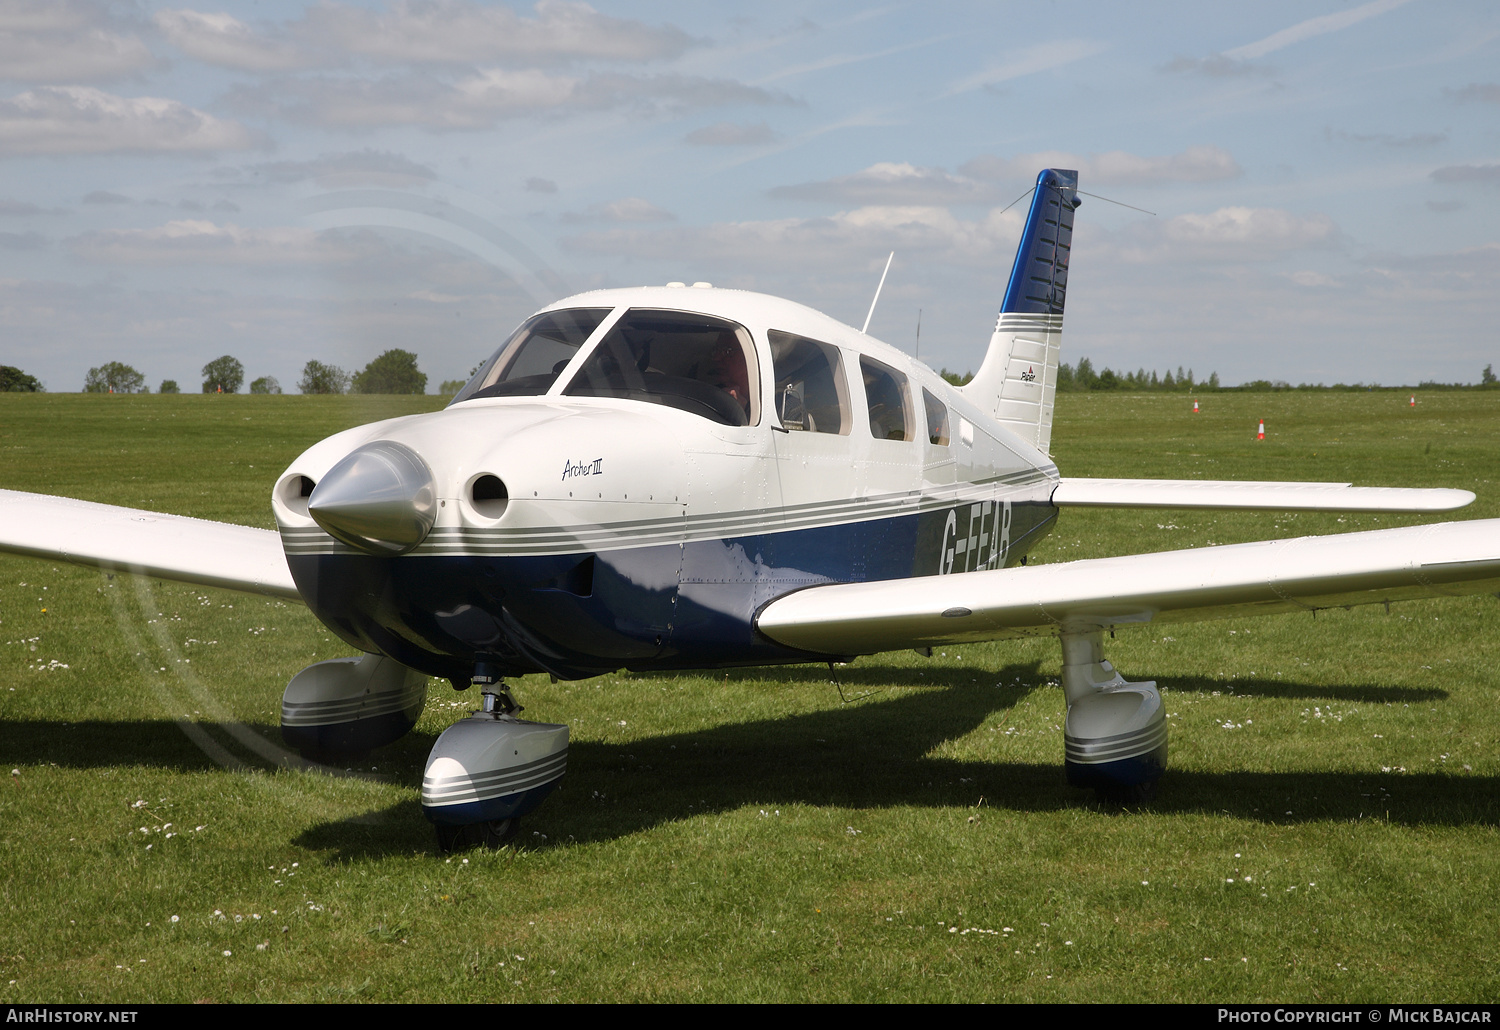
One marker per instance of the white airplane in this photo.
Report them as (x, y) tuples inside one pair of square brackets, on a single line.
[(685, 477)]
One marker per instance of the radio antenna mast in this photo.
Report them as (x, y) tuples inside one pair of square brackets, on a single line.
[(918, 352), (871, 314)]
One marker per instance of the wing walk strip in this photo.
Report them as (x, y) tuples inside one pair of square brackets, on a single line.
[(458, 790), (459, 540)]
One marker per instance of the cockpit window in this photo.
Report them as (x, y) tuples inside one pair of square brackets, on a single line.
[(810, 391), (529, 362), (890, 404), (694, 362)]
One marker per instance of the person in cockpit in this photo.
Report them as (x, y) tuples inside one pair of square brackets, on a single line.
[(728, 371)]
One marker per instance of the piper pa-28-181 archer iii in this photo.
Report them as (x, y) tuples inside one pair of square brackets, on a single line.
[(686, 477)]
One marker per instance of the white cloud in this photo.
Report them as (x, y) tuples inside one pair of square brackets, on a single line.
[(1203, 162), (1039, 58), (195, 242), (352, 168), (844, 240), (731, 134), (452, 31), (1484, 175), (1217, 65), (892, 183), (1228, 234), (1484, 92), (482, 98), (1312, 27), (1240, 60), (1389, 139), (65, 41), (82, 120), (224, 40), (22, 241), (627, 209)]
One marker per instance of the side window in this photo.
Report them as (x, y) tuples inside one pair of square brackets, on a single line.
[(810, 392), (688, 361), (889, 401), (937, 419)]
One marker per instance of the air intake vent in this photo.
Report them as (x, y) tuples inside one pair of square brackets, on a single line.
[(489, 496)]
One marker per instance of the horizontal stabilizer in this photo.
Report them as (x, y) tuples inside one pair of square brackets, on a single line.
[(1307, 573), (215, 554), (1248, 496)]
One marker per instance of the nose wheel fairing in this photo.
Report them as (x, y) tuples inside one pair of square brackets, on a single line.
[(489, 768)]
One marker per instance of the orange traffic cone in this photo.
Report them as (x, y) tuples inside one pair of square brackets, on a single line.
[(1260, 434), (1195, 407), (1414, 400)]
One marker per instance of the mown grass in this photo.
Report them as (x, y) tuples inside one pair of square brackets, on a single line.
[(1328, 829)]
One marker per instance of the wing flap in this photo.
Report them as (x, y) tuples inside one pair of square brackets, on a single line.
[(214, 554), (1252, 496), (1307, 573)]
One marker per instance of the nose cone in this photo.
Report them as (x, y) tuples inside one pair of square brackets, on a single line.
[(380, 499)]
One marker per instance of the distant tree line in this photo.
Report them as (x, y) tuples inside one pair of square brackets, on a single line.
[(1083, 377), (13, 380), (395, 371)]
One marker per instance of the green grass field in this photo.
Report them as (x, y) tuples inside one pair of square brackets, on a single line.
[(1327, 830)]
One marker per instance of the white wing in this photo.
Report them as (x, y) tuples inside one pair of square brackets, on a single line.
[(213, 554), (1307, 573), (1250, 496)]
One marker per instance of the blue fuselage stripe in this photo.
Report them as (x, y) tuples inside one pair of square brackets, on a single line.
[(669, 605)]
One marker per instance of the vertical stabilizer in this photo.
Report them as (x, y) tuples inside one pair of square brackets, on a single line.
[(1018, 379)]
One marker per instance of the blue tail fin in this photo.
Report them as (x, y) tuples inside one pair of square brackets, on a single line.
[(1018, 378), (1039, 279)]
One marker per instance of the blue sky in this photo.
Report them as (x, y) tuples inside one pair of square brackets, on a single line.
[(285, 181)]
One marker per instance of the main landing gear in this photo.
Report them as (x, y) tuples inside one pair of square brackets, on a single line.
[(346, 707), (1115, 735), (487, 771)]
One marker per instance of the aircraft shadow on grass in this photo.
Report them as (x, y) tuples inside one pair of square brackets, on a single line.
[(1354, 693), (871, 754)]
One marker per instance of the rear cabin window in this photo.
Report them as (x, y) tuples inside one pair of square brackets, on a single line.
[(937, 419), (810, 392), (693, 362), (529, 362), (889, 401)]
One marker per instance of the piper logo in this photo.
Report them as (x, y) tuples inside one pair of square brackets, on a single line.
[(1028, 376), (583, 468)]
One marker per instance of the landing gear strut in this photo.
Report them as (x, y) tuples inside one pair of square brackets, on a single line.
[(1115, 735), (487, 771)]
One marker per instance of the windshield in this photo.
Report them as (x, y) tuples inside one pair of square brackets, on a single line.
[(529, 362), (693, 362)]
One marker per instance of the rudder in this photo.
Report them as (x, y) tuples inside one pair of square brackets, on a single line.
[(1018, 380)]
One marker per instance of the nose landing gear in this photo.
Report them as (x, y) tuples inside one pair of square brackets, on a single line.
[(487, 771)]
